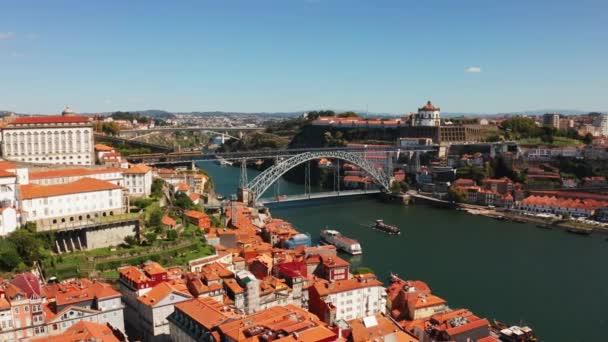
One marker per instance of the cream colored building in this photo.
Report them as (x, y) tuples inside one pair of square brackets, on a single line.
[(76, 203), (138, 179), (56, 139)]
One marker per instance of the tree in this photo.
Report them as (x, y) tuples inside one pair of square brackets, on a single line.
[(521, 127), (131, 240), (457, 195), (348, 115), (171, 235), (183, 201), (27, 245), (588, 139), (151, 237), (157, 187), (156, 217), (9, 258)]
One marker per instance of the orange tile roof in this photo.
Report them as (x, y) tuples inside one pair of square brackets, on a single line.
[(133, 274), (102, 147), (208, 312), (166, 220), (34, 175), (182, 187), (161, 291), (154, 268), (138, 169), (29, 191), (324, 287), (4, 174), (7, 165), (83, 331), (48, 119), (379, 332)]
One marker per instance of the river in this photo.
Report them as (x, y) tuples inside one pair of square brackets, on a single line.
[(554, 281)]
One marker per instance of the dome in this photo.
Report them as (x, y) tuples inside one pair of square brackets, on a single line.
[(429, 106), (67, 111)]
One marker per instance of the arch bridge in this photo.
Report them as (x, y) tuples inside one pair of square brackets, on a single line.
[(254, 189)]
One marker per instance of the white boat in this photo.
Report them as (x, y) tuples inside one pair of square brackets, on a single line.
[(343, 243)]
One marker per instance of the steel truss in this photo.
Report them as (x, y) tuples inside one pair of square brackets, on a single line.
[(264, 180)]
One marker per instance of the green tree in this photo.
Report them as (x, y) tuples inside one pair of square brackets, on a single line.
[(156, 217), (9, 258), (363, 270), (151, 237), (184, 202), (348, 115), (457, 195), (520, 127), (157, 187), (27, 245), (131, 240), (171, 235)]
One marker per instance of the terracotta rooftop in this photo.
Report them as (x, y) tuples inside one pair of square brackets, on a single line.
[(56, 173), (83, 331), (324, 287), (102, 147), (49, 119), (29, 191), (208, 312), (138, 169), (162, 290)]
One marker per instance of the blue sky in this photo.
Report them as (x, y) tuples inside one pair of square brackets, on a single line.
[(290, 55)]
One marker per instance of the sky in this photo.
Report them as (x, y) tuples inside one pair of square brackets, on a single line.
[(385, 56)]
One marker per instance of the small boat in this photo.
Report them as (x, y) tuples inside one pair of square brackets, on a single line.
[(580, 231), (343, 243), (387, 228), (544, 226), (394, 277), (513, 333)]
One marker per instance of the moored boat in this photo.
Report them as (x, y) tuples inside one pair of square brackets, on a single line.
[(343, 243), (387, 228), (513, 333)]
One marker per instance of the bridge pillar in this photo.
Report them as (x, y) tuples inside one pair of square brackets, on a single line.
[(245, 196)]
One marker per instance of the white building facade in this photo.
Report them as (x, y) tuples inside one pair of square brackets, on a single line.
[(429, 115), (72, 203), (138, 180), (65, 139)]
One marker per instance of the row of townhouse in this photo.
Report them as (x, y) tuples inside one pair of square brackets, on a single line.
[(30, 310)]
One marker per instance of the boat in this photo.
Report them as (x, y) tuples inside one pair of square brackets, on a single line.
[(513, 333), (580, 230), (343, 243), (387, 228), (544, 226)]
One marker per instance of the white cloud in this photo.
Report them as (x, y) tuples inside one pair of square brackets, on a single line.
[(6, 35), (473, 69)]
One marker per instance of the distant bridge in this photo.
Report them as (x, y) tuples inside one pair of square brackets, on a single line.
[(157, 149), (131, 133), (199, 156), (317, 195)]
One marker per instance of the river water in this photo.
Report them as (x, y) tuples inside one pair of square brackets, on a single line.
[(551, 280)]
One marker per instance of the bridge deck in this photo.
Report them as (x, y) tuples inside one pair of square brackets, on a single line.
[(318, 195)]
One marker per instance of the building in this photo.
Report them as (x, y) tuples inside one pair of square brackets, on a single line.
[(551, 120), (282, 323), (138, 179), (376, 328), (458, 326), (30, 310), (149, 293), (429, 115), (57, 139), (349, 299), (86, 331), (600, 122), (561, 206), (412, 300), (68, 175), (76, 203), (198, 319)]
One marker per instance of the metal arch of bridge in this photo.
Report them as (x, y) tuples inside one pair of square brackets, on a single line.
[(264, 180)]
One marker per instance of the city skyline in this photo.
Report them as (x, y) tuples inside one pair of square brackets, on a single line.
[(277, 56)]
